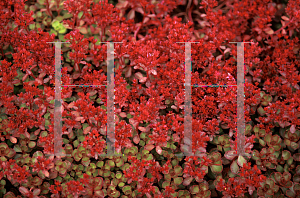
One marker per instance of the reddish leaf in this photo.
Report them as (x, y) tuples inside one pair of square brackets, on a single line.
[(187, 181), (87, 130), (293, 129), (143, 129), (131, 14), (230, 155), (13, 139), (149, 147), (46, 173), (36, 192), (23, 190), (251, 189), (158, 149), (136, 139)]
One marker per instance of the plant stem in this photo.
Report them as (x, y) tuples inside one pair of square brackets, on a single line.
[(48, 9), (284, 26)]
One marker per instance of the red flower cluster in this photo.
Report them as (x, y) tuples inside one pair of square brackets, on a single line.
[(55, 189), (149, 83), (248, 178), (140, 167), (42, 164), (14, 172), (94, 142)]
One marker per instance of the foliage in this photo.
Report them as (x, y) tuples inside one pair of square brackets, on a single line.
[(149, 98)]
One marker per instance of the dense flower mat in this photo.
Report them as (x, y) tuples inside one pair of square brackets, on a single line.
[(149, 94)]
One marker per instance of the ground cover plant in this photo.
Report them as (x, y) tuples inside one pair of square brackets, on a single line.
[(149, 98)]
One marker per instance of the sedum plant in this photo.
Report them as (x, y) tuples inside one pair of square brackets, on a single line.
[(149, 96)]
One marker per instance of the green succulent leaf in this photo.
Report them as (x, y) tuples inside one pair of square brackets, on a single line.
[(290, 193), (289, 161), (220, 139), (32, 144), (177, 169), (100, 164), (294, 145), (234, 167), (106, 173), (111, 163), (277, 147), (262, 132), (248, 127), (287, 142), (261, 142), (204, 186), (118, 175), (165, 184), (268, 138), (217, 168), (194, 189), (67, 16), (287, 176), (270, 182), (256, 129), (296, 187), (119, 162), (279, 168), (77, 156), (127, 190), (216, 156), (178, 180), (261, 111), (241, 161), (17, 148), (167, 177), (286, 155)]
